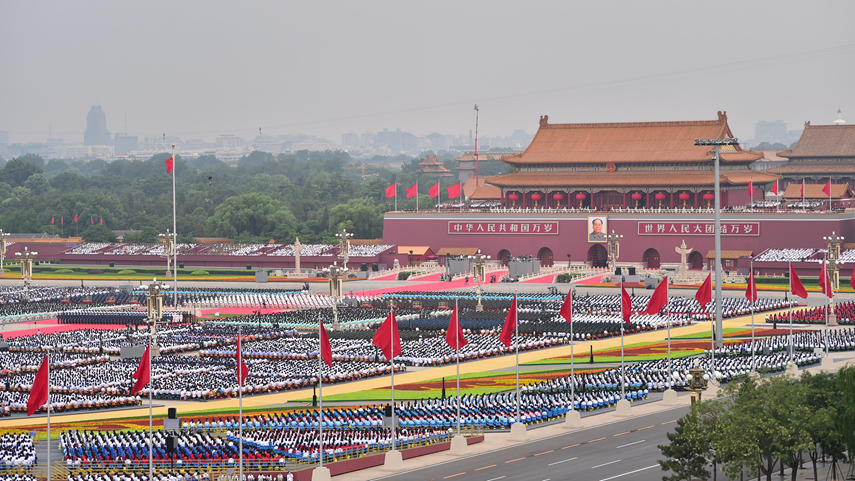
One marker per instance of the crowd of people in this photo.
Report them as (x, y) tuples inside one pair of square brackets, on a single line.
[(17, 450)]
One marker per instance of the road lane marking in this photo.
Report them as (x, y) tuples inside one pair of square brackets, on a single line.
[(669, 422), (621, 434), (631, 472), (595, 440), (601, 465), (545, 452), (514, 460), (563, 461), (642, 429), (485, 467), (453, 475), (572, 446), (630, 444), (494, 479)]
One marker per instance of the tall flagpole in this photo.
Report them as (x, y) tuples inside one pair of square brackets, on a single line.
[(753, 300), (712, 326), (622, 391), (392, 360), (670, 378), (417, 196), (790, 264), (239, 358), (48, 416), (457, 346), (321, 389), (830, 289), (517, 349), (396, 200), (150, 422), (572, 372), (438, 194), (175, 240)]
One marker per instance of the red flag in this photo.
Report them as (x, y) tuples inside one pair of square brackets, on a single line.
[(51, 221), (92, 220), (434, 191), (659, 299), (39, 391), (803, 188), (750, 187), (75, 218), (169, 165), (567, 308), (392, 191), (453, 191), (827, 189), (796, 286), (387, 337), (825, 282), (326, 347), (774, 188), (751, 289), (510, 324), (242, 370), (625, 304), (143, 373), (102, 221), (852, 278), (704, 294), (413, 191), (454, 334), (61, 220)]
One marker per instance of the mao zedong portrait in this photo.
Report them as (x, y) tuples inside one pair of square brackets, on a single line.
[(597, 230)]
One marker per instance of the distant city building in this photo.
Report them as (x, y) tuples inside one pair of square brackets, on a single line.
[(96, 128), (228, 141), (125, 144), (350, 139), (266, 143), (367, 139), (437, 141), (839, 121), (4, 137)]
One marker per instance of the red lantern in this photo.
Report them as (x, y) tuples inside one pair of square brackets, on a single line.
[(558, 196), (513, 197), (709, 196), (535, 196), (660, 196), (637, 196), (684, 196), (581, 196)]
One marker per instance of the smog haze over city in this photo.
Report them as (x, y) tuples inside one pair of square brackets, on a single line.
[(202, 69)]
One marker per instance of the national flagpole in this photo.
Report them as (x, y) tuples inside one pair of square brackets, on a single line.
[(457, 346), (517, 349), (392, 327), (175, 240), (240, 404)]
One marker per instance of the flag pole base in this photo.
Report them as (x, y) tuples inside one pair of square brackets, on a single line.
[(669, 398), (394, 461), (827, 364), (459, 447), (518, 434), (832, 319), (321, 474), (624, 409), (573, 420)]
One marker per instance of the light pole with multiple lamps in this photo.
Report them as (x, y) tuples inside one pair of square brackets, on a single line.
[(27, 259), (335, 273), (168, 246), (833, 266), (154, 311), (344, 246), (717, 143), (479, 270), (3, 237)]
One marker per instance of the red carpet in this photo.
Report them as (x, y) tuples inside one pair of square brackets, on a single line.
[(593, 280), (429, 277), (434, 286), (390, 277), (244, 311), (57, 328), (541, 280)]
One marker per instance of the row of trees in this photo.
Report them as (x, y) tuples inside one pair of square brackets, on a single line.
[(765, 425), (310, 194)]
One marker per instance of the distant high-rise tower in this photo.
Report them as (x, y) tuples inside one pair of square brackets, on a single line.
[(96, 128), (839, 120)]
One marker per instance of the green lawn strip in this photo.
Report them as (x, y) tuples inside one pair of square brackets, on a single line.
[(612, 359), (402, 395)]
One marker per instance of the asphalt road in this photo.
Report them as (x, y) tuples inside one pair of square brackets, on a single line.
[(623, 450)]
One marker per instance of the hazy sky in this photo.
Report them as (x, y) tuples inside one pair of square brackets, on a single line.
[(200, 69)]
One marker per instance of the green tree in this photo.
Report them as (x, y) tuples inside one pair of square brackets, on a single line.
[(98, 233), (686, 454), (18, 170), (148, 235), (37, 184), (254, 213), (360, 216), (826, 403)]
